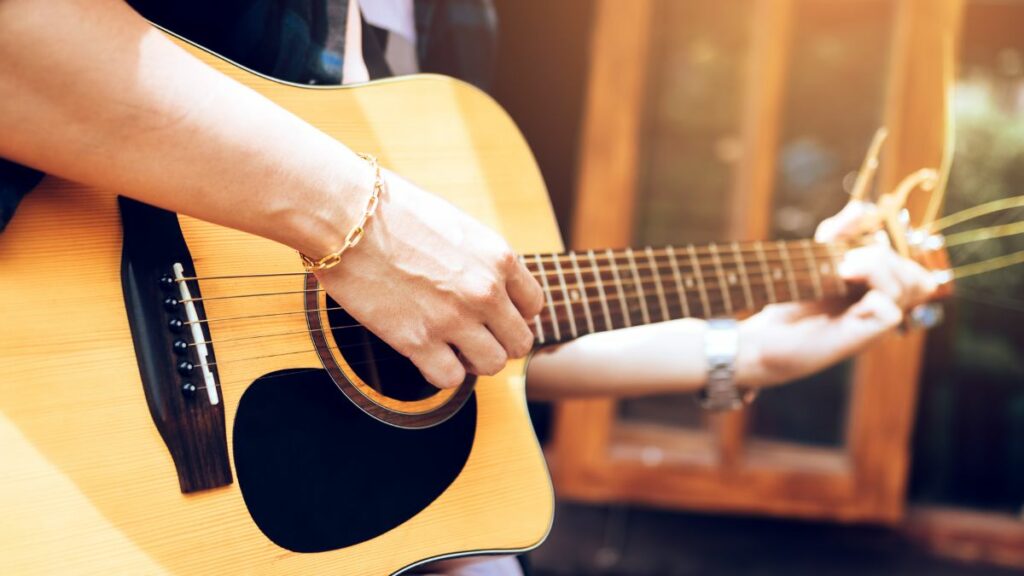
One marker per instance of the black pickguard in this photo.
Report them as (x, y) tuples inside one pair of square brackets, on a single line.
[(318, 474)]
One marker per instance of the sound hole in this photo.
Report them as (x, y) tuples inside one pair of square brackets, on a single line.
[(376, 363)]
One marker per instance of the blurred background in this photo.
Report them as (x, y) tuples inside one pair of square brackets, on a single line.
[(675, 121)]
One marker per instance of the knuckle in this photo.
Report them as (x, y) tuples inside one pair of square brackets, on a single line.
[(538, 304), (446, 321), (452, 376), (499, 360), (486, 293), (523, 345), (413, 344), (493, 364), (507, 259)]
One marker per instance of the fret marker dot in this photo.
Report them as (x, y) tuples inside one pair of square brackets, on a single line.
[(777, 274), (574, 295), (689, 282), (732, 279)]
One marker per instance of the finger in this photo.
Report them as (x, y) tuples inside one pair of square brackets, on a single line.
[(524, 290), (513, 333), (874, 267), (481, 352), (918, 285), (873, 315), (843, 336), (440, 366), (903, 280), (852, 220)]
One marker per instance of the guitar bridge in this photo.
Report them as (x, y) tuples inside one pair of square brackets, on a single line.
[(172, 345)]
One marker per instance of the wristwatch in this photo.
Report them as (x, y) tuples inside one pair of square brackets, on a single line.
[(721, 394)]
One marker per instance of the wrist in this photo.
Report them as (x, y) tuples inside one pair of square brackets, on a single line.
[(315, 218), (722, 391), (750, 368)]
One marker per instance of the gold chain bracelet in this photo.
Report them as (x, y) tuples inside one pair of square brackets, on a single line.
[(356, 233)]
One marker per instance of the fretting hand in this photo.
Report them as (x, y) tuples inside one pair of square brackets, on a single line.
[(789, 341)]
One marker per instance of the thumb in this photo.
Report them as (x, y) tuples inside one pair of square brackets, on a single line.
[(854, 218)]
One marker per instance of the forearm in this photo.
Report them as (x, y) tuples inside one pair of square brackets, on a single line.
[(656, 359), (92, 93)]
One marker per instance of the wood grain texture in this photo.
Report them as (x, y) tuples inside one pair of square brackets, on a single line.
[(613, 114), (885, 377), (87, 485), (968, 535)]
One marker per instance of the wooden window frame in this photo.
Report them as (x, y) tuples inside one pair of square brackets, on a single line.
[(596, 458)]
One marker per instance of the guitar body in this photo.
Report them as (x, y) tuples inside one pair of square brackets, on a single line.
[(87, 483)]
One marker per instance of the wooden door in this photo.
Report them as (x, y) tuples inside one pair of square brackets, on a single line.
[(739, 165)]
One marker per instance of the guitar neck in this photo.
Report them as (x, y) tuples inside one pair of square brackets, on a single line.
[(596, 291)]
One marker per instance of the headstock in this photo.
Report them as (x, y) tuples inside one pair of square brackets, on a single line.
[(892, 219), (925, 242)]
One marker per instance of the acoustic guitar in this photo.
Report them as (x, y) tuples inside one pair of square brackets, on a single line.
[(181, 398)]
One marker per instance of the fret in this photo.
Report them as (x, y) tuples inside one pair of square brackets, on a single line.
[(815, 277), (567, 300), (794, 294), (831, 249), (547, 293), (700, 281), (747, 292), (622, 293), (657, 284), (639, 287), (768, 282), (583, 290), (722, 287), (538, 328), (600, 291), (679, 281)]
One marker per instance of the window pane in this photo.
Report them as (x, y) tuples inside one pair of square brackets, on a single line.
[(969, 441), (698, 59), (834, 102)]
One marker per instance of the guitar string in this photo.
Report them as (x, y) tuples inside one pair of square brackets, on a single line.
[(639, 261), (376, 360), (769, 248), (613, 294), (734, 282), (619, 292), (675, 309), (670, 291), (610, 325), (670, 302), (388, 356), (715, 299), (393, 355), (651, 275), (616, 312)]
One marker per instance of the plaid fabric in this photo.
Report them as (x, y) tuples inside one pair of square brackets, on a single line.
[(302, 41)]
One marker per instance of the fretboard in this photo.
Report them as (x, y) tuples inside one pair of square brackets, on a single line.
[(600, 290)]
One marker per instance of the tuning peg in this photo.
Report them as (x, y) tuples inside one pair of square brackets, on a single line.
[(926, 316)]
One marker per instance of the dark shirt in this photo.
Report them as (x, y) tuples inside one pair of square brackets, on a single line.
[(299, 41)]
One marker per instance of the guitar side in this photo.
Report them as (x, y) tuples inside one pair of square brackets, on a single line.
[(87, 484)]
